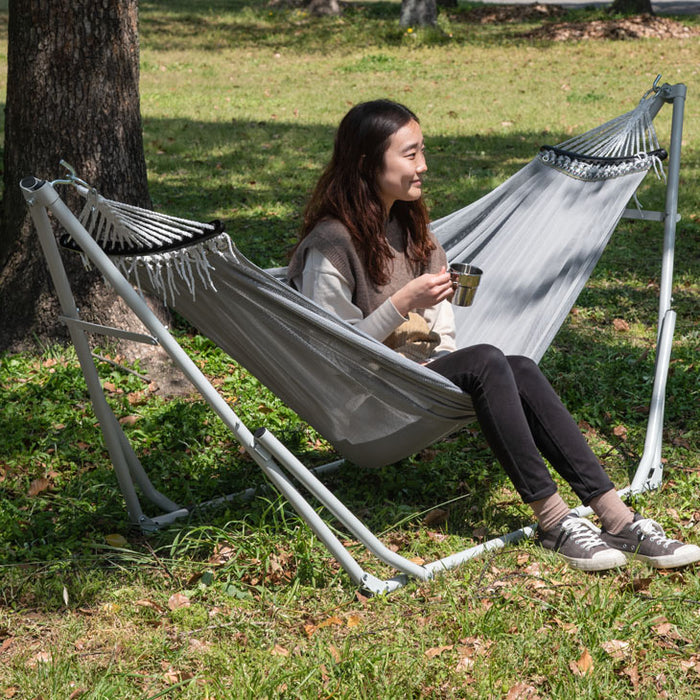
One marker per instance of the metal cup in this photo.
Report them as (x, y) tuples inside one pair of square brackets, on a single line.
[(465, 279)]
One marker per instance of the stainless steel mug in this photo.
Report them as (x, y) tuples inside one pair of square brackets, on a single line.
[(465, 279)]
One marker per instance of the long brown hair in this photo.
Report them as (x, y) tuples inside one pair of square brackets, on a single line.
[(347, 190)]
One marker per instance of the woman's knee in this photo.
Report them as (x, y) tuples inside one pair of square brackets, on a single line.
[(525, 370)]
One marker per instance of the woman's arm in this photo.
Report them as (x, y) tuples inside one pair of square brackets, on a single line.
[(322, 282)]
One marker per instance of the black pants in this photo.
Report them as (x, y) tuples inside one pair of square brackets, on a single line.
[(523, 419)]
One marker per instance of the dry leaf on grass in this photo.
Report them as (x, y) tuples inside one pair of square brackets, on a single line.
[(437, 516), (583, 665), (620, 431), (177, 601), (150, 604), (616, 648), (116, 540), (38, 485), (522, 691), (632, 673), (436, 651)]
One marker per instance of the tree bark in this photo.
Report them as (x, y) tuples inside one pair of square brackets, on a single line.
[(321, 8), (632, 7), (72, 93), (416, 13)]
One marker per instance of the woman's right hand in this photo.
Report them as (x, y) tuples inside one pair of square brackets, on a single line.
[(423, 292)]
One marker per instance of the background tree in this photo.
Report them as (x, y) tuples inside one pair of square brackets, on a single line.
[(72, 93), (632, 7), (324, 7), (416, 13)]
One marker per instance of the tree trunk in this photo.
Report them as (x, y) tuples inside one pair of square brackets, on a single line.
[(416, 13), (632, 7), (72, 93), (321, 8)]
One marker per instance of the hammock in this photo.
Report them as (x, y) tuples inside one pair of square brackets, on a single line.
[(372, 405), (537, 237)]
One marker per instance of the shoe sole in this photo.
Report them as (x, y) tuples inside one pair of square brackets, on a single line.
[(688, 554), (601, 564)]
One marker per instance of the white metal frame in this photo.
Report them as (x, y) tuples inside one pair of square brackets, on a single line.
[(280, 466)]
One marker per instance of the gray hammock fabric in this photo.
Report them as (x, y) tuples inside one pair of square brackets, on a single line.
[(537, 237)]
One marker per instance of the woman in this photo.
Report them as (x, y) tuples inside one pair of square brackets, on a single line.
[(367, 254)]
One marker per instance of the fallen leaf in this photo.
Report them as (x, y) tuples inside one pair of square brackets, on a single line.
[(334, 653), (128, 420), (150, 604), (330, 621), (584, 664), (353, 620), (43, 657), (640, 584), (199, 645), (436, 651), (437, 516), (522, 691), (116, 540), (479, 533), (37, 486), (278, 650), (616, 648), (177, 601), (222, 554), (619, 324), (620, 431)]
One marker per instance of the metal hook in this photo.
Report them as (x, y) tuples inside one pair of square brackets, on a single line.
[(71, 178), (654, 88)]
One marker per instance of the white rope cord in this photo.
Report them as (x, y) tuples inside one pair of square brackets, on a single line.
[(627, 135), (118, 225)]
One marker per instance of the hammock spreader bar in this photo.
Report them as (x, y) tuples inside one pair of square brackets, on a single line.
[(282, 468)]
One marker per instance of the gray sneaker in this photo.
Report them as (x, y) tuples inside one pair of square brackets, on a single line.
[(646, 540), (577, 540)]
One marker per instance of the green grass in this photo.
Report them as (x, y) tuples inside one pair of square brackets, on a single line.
[(239, 105)]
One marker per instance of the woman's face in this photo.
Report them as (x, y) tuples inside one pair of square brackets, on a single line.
[(404, 165)]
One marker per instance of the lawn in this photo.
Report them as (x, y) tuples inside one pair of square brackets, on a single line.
[(239, 104)]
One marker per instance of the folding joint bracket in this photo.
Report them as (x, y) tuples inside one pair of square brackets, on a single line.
[(148, 524), (669, 92), (374, 585)]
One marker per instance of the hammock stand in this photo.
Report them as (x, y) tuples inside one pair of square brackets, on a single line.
[(275, 460)]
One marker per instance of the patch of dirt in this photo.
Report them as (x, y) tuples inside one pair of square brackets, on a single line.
[(640, 27), (637, 27)]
